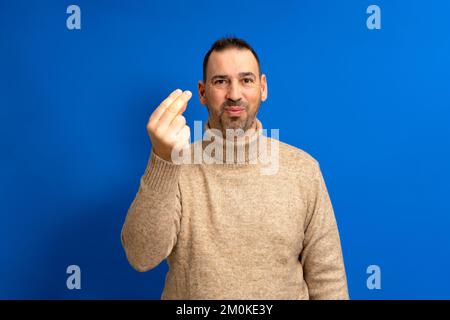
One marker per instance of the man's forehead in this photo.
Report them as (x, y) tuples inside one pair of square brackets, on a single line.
[(232, 61)]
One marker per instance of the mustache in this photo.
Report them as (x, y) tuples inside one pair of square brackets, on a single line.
[(231, 103)]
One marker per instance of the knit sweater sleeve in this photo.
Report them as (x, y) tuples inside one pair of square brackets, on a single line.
[(151, 226), (321, 257)]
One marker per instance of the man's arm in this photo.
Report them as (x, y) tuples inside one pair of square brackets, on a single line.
[(153, 219), (322, 260)]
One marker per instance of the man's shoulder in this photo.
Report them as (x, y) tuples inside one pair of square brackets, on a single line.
[(296, 153), (295, 158)]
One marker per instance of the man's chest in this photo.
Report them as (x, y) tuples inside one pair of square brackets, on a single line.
[(263, 214)]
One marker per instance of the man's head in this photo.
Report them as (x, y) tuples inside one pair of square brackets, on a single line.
[(233, 85)]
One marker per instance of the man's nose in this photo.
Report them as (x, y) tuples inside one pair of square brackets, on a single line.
[(234, 91)]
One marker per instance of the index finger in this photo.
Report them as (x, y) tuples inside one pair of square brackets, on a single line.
[(177, 107), (159, 111)]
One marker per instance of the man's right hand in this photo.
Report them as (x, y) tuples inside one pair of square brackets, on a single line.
[(167, 127)]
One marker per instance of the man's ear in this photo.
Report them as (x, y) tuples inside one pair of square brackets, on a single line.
[(264, 89), (201, 92)]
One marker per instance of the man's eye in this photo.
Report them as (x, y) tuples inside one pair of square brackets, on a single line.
[(220, 81), (248, 80)]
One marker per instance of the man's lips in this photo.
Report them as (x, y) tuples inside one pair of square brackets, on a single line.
[(234, 110)]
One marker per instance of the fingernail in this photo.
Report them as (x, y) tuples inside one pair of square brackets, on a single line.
[(188, 93), (178, 91)]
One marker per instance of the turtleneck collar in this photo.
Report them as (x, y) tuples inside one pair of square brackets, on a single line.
[(246, 147)]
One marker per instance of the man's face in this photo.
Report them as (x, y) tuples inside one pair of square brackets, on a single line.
[(233, 90)]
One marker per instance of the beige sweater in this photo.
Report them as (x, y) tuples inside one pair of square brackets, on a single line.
[(230, 232)]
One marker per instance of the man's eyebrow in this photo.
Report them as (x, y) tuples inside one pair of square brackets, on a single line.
[(241, 75), (247, 74), (219, 76)]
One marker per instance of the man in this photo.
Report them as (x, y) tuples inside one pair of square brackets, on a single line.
[(227, 230)]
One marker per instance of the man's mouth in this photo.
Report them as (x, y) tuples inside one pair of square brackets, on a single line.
[(234, 110)]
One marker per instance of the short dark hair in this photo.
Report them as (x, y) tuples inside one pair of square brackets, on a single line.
[(226, 43)]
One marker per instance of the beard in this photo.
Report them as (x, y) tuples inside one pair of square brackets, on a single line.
[(222, 121)]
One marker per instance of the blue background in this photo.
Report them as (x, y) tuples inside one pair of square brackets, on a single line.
[(372, 106)]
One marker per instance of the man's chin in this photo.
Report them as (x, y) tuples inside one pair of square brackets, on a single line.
[(234, 124)]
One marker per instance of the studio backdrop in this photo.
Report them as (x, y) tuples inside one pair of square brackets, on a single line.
[(362, 86)]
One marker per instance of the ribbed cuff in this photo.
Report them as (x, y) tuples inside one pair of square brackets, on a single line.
[(160, 174)]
